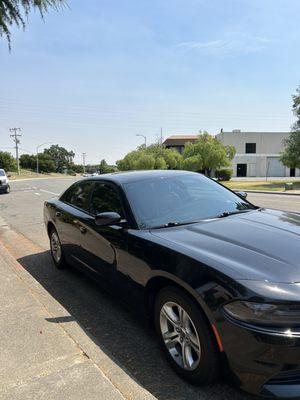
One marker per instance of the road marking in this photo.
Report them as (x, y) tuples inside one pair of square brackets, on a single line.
[(38, 194), (47, 191)]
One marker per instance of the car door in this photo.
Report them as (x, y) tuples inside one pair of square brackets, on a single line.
[(102, 246), (71, 208)]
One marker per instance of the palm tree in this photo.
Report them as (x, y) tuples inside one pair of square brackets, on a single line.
[(14, 12)]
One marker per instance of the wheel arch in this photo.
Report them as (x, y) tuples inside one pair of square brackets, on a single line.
[(158, 282), (50, 225)]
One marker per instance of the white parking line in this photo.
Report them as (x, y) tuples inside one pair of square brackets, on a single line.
[(47, 191)]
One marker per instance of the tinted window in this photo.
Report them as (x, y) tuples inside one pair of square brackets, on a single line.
[(105, 198), (180, 199), (250, 147), (78, 195)]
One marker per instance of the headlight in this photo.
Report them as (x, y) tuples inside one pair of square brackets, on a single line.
[(4, 180), (264, 314)]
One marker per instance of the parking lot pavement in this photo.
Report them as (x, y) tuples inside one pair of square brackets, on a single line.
[(125, 339)]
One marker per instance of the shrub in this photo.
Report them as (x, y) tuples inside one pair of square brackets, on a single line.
[(224, 174)]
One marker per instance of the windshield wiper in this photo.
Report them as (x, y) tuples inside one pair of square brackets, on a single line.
[(171, 224), (228, 213)]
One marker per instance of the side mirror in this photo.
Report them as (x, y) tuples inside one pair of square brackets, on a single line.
[(243, 195), (107, 218)]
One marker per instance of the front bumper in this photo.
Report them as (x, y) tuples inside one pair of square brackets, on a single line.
[(261, 362), (3, 187)]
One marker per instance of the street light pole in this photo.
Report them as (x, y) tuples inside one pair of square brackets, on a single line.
[(37, 155), (145, 138)]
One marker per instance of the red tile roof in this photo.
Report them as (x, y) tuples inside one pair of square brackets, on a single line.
[(178, 140)]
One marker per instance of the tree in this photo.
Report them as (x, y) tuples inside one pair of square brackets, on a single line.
[(151, 157), (160, 163), (7, 161), (291, 154), (78, 168), (46, 163), (207, 153), (62, 158), (145, 161), (28, 161), (15, 12)]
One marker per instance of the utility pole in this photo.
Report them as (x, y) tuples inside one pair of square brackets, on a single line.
[(83, 158), (16, 139)]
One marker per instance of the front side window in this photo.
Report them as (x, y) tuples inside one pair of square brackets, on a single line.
[(2, 172), (250, 148), (184, 198), (105, 198), (78, 195)]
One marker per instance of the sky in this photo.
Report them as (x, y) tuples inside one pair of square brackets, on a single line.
[(94, 75)]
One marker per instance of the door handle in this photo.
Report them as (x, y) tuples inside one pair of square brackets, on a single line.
[(83, 229), (58, 214)]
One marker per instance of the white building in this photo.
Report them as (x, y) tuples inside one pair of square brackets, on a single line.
[(257, 153)]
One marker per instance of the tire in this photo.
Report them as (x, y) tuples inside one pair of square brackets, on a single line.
[(56, 250), (7, 190), (201, 364)]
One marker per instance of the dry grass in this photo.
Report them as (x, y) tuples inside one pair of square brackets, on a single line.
[(26, 174), (260, 185)]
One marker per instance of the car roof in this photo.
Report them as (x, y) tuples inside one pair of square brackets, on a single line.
[(133, 176)]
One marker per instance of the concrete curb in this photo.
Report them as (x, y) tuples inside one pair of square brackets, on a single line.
[(128, 387)]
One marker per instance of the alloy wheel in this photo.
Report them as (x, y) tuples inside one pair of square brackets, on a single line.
[(55, 247), (180, 336)]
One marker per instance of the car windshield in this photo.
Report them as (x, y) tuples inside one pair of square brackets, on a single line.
[(181, 199), (2, 173)]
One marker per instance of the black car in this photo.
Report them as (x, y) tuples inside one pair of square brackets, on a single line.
[(219, 276)]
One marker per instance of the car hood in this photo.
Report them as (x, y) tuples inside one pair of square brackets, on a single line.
[(259, 245)]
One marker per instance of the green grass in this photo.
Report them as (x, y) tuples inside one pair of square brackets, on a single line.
[(260, 185)]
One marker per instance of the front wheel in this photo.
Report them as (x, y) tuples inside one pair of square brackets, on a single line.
[(7, 190), (186, 338), (56, 250)]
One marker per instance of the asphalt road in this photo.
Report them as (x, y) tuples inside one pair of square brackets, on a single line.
[(116, 329)]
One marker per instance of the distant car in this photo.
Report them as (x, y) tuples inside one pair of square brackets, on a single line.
[(4, 182), (218, 275)]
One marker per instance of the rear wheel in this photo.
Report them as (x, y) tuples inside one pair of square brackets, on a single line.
[(186, 338), (56, 250)]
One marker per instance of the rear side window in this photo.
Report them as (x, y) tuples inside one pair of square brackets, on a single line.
[(78, 195), (105, 198)]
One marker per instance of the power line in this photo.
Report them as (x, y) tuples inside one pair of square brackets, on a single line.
[(16, 139)]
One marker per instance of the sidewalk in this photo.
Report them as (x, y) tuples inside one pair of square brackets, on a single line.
[(65, 361), (38, 359)]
